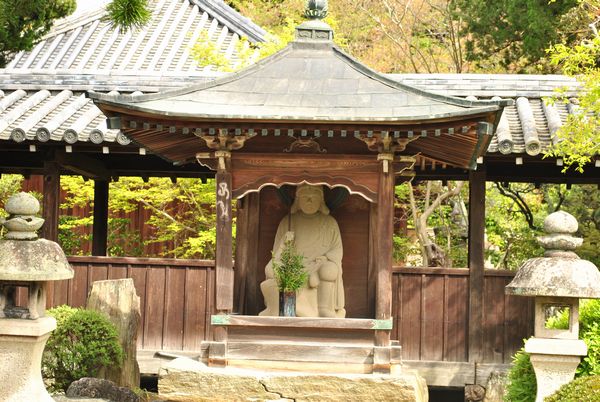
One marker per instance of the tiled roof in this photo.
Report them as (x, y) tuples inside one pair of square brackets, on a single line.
[(89, 44), (527, 126), (307, 81)]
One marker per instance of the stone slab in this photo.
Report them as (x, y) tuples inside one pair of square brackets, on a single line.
[(188, 380), (18, 327)]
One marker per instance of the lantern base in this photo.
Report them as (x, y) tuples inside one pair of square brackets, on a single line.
[(554, 362), (21, 345)]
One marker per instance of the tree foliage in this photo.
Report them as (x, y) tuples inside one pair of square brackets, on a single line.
[(24, 22), (128, 14), (513, 34), (579, 137)]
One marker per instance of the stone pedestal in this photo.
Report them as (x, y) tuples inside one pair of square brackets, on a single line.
[(189, 380), (554, 362), (21, 345)]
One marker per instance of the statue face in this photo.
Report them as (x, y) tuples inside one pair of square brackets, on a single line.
[(309, 199)]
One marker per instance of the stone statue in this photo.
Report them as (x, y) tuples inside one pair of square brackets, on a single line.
[(316, 237)]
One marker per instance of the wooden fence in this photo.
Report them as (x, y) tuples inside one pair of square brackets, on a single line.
[(175, 296), (430, 306)]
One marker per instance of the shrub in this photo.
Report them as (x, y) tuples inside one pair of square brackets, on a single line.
[(83, 342), (522, 385), (289, 269), (582, 389)]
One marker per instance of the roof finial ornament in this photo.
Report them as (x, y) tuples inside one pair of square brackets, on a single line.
[(316, 9)]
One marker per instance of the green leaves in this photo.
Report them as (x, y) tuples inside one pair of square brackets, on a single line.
[(128, 14), (24, 22), (83, 342), (289, 269)]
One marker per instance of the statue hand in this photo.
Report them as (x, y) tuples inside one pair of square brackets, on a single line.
[(321, 259), (288, 236)]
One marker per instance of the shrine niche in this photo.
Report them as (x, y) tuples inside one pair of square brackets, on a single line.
[(308, 115)]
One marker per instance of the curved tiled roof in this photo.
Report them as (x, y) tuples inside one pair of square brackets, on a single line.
[(32, 110), (89, 43)]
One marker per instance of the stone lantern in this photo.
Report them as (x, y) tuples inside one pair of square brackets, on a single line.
[(26, 265), (557, 281)]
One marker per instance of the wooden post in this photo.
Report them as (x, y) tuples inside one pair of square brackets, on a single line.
[(100, 227), (385, 233), (476, 262), (50, 213), (224, 258)]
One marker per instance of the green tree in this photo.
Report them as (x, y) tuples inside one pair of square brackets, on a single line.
[(513, 34), (579, 137), (24, 22), (181, 213)]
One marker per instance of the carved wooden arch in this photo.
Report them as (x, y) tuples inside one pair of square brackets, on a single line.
[(316, 180)]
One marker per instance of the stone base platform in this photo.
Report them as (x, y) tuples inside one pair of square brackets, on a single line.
[(185, 379)]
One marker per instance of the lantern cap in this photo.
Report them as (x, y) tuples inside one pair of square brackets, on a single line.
[(560, 273)]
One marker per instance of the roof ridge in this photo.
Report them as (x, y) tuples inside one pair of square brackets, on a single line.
[(73, 21), (228, 16), (384, 79)]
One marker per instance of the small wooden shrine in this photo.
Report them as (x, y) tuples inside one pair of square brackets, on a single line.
[(308, 114)]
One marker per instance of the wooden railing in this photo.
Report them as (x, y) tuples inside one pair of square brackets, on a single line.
[(430, 306)]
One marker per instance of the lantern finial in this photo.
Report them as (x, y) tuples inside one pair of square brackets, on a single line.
[(316, 9)]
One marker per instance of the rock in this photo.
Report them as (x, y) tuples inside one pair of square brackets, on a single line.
[(99, 388), (188, 380), (119, 301), (333, 388), (474, 393), (496, 387)]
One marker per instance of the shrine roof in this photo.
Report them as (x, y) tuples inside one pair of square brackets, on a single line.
[(309, 81)]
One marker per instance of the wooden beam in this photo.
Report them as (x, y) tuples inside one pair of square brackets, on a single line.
[(385, 233), (301, 322), (100, 227), (83, 165), (477, 181)]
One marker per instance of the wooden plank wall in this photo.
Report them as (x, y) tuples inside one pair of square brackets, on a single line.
[(176, 296), (430, 309)]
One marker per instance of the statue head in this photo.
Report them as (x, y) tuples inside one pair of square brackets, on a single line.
[(310, 200)]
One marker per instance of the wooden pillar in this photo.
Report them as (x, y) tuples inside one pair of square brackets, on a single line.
[(476, 262), (50, 213), (385, 232), (100, 227), (224, 258), (246, 257)]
